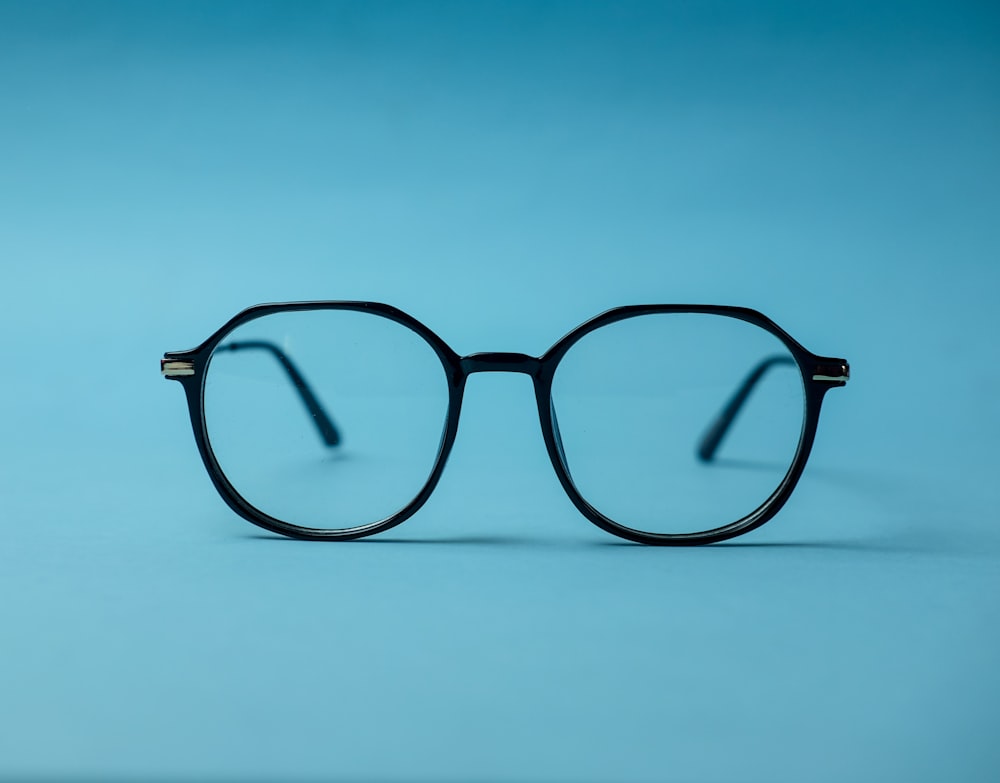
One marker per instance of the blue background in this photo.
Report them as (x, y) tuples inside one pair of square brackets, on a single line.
[(502, 172)]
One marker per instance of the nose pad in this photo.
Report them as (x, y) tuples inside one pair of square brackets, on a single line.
[(557, 435)]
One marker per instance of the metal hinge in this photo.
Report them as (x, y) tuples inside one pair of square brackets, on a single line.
[(174, 368), (835, 373)]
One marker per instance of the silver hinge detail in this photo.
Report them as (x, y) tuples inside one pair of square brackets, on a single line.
[(172, 368), (835, 373)]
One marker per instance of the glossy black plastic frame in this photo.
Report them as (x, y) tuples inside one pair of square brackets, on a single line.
[(819, 375)]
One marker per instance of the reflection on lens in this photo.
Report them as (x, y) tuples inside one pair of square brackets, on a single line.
[(326, 419), (678, 423)]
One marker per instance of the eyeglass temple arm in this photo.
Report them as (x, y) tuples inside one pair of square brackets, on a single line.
[(716, 432), (328, 431)]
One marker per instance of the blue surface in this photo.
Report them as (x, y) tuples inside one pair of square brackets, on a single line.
[(502, 172)]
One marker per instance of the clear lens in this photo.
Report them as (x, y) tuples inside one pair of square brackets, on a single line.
[(382, 388), (635, 400)]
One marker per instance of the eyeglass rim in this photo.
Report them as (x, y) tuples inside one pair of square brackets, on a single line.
[(819, 375)]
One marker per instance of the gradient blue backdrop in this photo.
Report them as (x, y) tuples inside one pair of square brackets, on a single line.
[(501, 171)]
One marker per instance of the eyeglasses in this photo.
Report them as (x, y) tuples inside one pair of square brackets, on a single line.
[(666, 424)]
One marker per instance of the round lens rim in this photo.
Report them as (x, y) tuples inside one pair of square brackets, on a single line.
[(814, 391), (195, 390)]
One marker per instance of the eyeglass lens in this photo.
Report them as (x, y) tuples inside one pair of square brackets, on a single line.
[(636, 400), (363, 448)]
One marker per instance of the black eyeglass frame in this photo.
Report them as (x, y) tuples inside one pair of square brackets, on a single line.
[(819, 375)]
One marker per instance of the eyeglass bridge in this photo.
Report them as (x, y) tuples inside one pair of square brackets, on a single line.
[(500, 362)]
